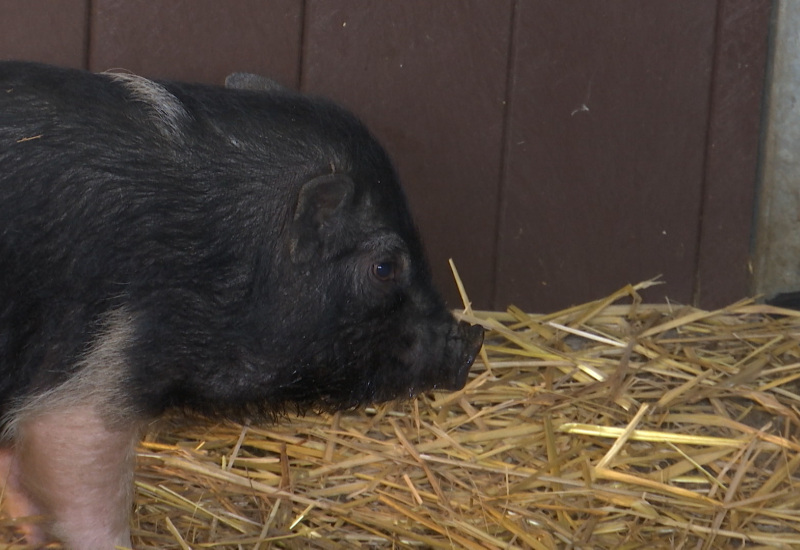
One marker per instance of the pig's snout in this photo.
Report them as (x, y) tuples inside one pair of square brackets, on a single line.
[(468, 339)]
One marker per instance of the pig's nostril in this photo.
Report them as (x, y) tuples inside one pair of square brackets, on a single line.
[(477, 336), (474, 348), (471, 339)]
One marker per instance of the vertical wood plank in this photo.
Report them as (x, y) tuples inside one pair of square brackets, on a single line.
[(429, 79), (776, 247), (44, 31), (742, 45), (605, 156), (199, 40)]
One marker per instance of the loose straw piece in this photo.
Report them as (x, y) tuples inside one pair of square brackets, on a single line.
[(623, 438)]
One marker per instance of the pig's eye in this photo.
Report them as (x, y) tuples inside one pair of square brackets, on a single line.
[(384, 271)]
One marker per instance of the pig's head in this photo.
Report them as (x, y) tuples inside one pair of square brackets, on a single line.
[(370, 325)]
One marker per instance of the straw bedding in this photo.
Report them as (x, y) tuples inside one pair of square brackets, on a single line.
[(607, 425)]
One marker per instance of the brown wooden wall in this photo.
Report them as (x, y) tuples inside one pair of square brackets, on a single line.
[(556, 149)]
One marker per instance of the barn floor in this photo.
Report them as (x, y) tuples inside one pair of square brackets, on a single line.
[(614, 424)]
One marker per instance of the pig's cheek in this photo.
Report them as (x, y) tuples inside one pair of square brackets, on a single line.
[(78, 472)]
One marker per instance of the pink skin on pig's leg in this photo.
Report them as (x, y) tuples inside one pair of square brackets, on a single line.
[(16, 504), (78, 472)]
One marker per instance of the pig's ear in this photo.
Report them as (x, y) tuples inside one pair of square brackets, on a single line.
[(320, 216), (253, 82)]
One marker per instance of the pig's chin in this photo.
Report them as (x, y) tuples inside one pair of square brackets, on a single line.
[(449, 373)]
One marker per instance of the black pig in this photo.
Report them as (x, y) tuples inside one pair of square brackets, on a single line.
[(232, 252)]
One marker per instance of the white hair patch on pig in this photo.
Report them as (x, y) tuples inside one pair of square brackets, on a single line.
[(96, 383), (167, 110)]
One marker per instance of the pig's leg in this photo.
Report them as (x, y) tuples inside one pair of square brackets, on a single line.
[(78, 471), (16, 503)]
